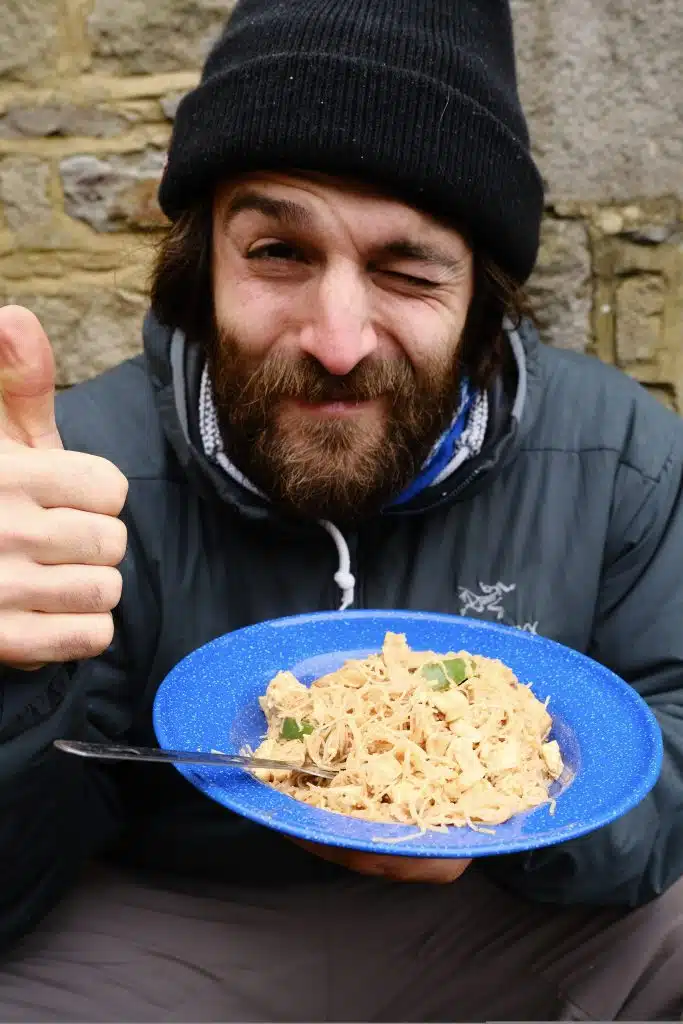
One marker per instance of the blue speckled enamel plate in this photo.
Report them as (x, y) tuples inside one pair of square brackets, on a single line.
[(610, 740)]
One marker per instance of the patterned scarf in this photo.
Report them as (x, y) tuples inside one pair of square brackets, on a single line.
[(462, 441)]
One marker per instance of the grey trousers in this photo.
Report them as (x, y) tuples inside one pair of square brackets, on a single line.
[(354, 949)]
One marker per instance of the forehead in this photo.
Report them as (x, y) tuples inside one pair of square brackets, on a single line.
[(335, 205)]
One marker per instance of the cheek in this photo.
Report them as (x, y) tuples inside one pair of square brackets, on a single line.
[(250, 311), (254, 311), (429, 334)]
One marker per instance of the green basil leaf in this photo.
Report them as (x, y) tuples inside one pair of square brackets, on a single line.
[(456, 670), (291, 730), (436, 674), (446, 685)]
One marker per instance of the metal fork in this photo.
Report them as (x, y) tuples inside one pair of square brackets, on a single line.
[(117, 752)]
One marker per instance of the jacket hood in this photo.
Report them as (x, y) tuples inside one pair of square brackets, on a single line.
[(175, 366)]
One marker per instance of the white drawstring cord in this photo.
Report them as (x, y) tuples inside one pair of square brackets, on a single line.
[(344, 578), (213, 447)]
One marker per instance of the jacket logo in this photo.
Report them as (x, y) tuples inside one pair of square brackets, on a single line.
[(490, 601)]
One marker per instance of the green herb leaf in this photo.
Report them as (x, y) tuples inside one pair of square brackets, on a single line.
[(442, 686), (436, 674), (457, 670), (291, 730), (452, 671)]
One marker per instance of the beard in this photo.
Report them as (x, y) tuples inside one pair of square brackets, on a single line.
[(343, 468)]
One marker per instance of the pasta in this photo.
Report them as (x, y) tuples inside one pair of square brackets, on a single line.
[(418, 738)]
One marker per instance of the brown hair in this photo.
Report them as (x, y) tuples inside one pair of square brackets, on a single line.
[(182, 296)]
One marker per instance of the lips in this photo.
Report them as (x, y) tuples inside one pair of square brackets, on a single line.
[(335, 407)]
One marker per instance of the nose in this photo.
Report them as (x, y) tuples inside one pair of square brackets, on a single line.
[(339, 333)]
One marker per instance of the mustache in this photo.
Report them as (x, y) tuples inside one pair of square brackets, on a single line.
[(304, 379)]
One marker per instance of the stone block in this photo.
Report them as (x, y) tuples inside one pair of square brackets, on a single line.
[(602, 83), (137, 206), (656, 223), (114, 194), (130, 259), (28, 37), (61, 119), (140, 111), (90, 331), (137, 37), (560, 288), (639, 310), (24, 194), (639, 301)]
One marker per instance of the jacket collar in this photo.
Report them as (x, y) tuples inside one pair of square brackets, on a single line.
[(175, 367)]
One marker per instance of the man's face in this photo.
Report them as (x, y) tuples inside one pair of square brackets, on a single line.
[(338, 319)]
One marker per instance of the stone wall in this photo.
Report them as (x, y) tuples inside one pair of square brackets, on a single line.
[(88, 90)]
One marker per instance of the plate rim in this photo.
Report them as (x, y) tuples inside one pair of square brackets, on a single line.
[(201, 779)]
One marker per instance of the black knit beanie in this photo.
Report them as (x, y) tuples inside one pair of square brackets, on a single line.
[(416, 96)]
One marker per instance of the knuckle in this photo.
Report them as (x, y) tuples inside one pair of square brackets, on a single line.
[(71, 647), (89, 598), (103, 634), (93, 474), (120, 487), (110, 481), (116, 590), (107, 542), (82, 472), (86, 642), (118, 541), (94, 545), (103, 592)]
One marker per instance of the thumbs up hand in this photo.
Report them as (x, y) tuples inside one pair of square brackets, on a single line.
[(60, 535)]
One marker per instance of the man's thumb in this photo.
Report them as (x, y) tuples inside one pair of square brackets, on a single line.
[(27, 381)]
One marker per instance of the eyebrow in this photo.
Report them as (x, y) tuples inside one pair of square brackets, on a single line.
[(283, 210), (419, 252), (294, 215)]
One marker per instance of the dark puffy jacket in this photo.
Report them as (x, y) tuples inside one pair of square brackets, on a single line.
[(569, 523)]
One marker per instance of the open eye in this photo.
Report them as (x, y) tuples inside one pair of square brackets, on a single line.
[(278, 251)]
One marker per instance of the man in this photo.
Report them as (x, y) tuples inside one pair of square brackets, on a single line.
[(340, 403)]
